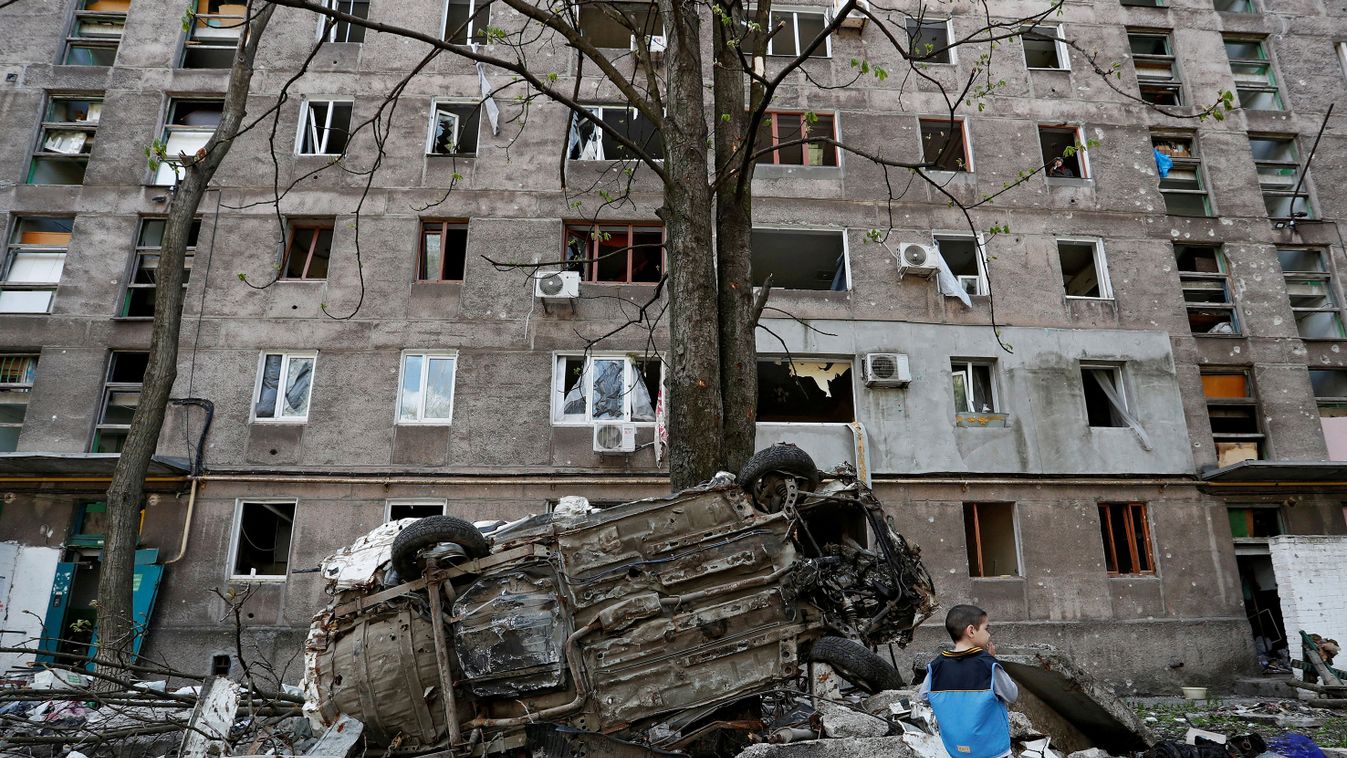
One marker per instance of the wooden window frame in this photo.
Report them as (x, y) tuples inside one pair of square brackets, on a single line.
[(775, 153), (1130, 521), (1191, 162), (965, 143), (1327, 278), (977, 541), (291, 232), (590, 265), (74, 40), (1269, 85), (427, 231), (1249, 400)]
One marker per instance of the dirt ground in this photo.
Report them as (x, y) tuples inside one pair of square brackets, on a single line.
[(1170, 718)]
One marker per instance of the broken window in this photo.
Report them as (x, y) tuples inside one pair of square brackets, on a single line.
[(307, 250), (121, 397), (1207, 294), (800, 259), (262, 532), (966, 260), (944, 145), (616, 253), (444, 251), (1180, 170), (1127, 538), (588, 142), (1255, 521), (453, 128), (284, 384), (1255, 83), (785, 131), (69, 125), (1278, 162), (989, 533), (1234, 415), (343, 31), (1313, 296), (426, 394), (1330, 390), (974, 390), (467, 21), (213, 33), (95, 32), (1064, 151), (928, 41), (324, 127), (605, 388), (139, 299), (187, 129), (1105, 396), (33, 263), (805, 391), (396, 510), (797, 29), (1156, 67), (220, 665), (16, 382), (1234, 6), (1044, 48), (1084, 270), (617, 24)]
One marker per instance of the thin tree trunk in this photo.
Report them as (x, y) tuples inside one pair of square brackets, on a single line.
[(116, 629), (695, 412), (734, 232)]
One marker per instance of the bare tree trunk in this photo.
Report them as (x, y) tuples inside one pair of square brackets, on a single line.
[(116, 629), (734, 232), (695, 413)]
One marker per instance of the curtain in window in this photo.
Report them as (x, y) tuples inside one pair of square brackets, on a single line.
[(1118, 409), (297, 387), (271, 380)]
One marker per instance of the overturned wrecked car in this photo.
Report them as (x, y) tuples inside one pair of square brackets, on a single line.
[(641, 627)]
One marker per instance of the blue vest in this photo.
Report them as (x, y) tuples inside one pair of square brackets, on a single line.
[(974, 723)]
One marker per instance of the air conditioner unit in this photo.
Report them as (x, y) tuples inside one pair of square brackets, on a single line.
[(614, 438), (886, 370), (558, 285), (917, 259), (855, 19)]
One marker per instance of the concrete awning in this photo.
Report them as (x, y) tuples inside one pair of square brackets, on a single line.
[(57, 466), (1273, 473)]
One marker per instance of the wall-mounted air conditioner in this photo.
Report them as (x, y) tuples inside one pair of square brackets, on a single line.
[(917, 259), (614, 438), (887, 370), (558, 285)]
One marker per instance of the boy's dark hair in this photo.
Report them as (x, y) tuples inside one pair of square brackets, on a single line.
[(960, 617)]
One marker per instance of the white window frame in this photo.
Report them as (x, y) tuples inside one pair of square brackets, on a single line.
[(1059, 42), (305, 111), (331, 35), (170, 163), (1119, 381), (967, 143), (1082, 152), (795, 10), (1100, 266), (472, 22), (967, 371), (236, 532), (426, 356), (58, 254), (435, 104), (949, 37), (392, 501), (286, 357), (629, 376), (981, 254)]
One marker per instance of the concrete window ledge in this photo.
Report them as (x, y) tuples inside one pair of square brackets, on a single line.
[(1068, 181), (982, 420), (997, 579), (767, 171)]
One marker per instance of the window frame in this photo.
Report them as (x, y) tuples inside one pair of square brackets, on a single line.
[(22, 388), (1221, 276), (435, 103), (1249, 400), (630, 372), (1269, 84), (88, 127), (1119, 382), (423, 232), (15, 248), (1248, 509), (1082, 154), (842, 235), (236, 533), (170, 129), (1130, 539), (950, 47), (598, 111), (968, 365), (330, 35), (791, 359), (426, 357), (471, 30), (1173, 83), (222, 28), (1279, 190), (73, 39), (1059, 44), (321, 142), (772, 124), (976, 548), (980, 255), (593, 253), (139, 251), (1100, 267), (101, 425), (967, 145), (255, 398), (292, 226), (390, 502), (1326, 277), (795, 11), (1191, 162)]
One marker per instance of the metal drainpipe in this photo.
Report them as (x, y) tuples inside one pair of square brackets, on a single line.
[(187, 526)]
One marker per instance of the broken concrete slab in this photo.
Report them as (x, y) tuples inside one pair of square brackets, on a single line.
[(1021, 728), (882, 703), (1093, 752), (889, 747), (841, 722)]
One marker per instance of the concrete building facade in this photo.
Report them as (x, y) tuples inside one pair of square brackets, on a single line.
[(1141, 391)]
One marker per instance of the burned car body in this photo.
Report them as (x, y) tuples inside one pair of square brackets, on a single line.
[(636, 621)]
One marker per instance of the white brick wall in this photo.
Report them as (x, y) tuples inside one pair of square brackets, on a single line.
[(1312, 583)]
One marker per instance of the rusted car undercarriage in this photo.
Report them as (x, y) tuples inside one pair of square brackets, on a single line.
[(642, 623)]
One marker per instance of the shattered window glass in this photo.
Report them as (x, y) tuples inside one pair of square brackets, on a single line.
[(291, 400), (805, 391)]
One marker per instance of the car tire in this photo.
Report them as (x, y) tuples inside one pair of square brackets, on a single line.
[(855, 663), (433, 530), (780, 458)]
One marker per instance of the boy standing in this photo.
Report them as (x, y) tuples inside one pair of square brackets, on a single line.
[(968, 690)]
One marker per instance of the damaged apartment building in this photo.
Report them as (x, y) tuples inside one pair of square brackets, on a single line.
[(1108, 469)]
